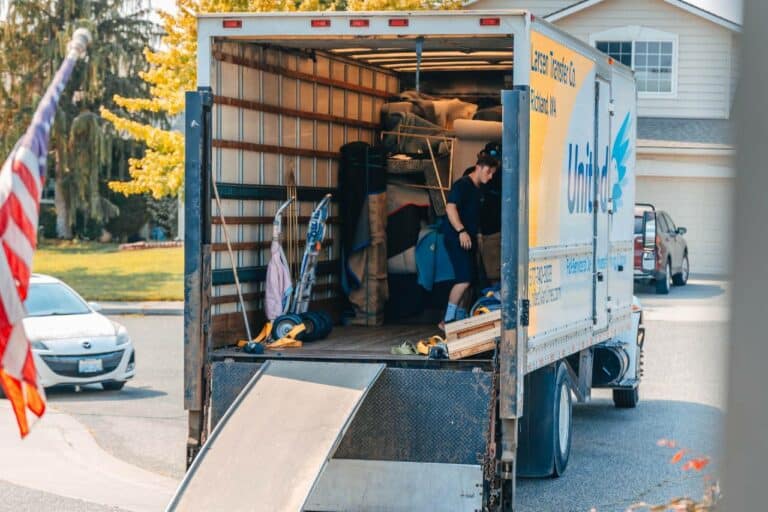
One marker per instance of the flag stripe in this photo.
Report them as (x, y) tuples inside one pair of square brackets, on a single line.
[(11, 303), (19, 268), (16, 214), (15, 354), (17, 241), (26, 167), (28, 203)]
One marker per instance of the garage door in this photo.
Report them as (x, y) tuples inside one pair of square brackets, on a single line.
[(703, 205)]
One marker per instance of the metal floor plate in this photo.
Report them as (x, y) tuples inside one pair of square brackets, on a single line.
[(273, 443)]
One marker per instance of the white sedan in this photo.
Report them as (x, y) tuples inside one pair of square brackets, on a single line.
[(72, 342)]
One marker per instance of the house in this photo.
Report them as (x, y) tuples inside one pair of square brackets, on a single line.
[(686, 63)]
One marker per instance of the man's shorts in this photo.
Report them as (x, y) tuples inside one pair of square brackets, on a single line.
[(463, 261)]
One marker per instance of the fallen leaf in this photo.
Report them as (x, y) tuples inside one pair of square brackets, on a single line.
[(677, 457), (696, 464)]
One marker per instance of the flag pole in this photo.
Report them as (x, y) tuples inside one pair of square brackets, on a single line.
[(21, 184)]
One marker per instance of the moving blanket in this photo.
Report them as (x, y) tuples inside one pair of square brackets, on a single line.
[(363, 208), (432, 261)]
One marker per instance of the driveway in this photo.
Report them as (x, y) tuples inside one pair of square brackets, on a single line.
[(615, 460)]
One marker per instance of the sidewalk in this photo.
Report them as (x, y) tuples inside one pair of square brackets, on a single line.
[(171, 308), (61, 457)]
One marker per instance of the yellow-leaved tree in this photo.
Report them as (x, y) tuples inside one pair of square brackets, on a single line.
[(172, 72)]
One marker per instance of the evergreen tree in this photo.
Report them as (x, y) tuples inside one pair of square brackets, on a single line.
[(84, 149)]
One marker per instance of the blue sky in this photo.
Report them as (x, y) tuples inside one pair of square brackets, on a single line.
[(730, 9)]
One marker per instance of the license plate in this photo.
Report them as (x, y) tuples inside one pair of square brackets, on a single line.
[(89, 365)]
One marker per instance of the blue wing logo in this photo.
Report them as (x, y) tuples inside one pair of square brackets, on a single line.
[(619, 157)]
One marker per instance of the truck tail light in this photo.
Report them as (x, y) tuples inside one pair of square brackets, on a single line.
[(232, 23), (320, 23), (398, 22), (359, 23), (490, 22)]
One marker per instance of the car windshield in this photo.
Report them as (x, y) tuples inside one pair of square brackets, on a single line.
[(638, 225), (47, 299)]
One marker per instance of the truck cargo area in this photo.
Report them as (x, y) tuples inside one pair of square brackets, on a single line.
[(282, 110)]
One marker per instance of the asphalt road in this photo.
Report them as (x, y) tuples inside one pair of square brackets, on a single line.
[(614, 460)]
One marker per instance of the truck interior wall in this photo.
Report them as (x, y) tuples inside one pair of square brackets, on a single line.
[(280, 116), (279, 119)]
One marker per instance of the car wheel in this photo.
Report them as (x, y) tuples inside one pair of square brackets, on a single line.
[(626, 398), (681, 279), (113, 385), (664, 280)]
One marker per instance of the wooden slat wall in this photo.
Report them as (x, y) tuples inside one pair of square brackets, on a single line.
[(278, 113)]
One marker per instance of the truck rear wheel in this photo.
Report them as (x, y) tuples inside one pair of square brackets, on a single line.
[(544, 441)]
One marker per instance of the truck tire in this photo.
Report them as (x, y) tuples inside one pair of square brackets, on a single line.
[(626, 398), (664, 280), (545, 430), (681, 279)]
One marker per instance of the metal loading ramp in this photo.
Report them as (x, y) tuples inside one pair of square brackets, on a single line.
[(274, 441)]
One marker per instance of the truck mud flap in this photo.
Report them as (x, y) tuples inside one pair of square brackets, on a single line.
[(272, 444)]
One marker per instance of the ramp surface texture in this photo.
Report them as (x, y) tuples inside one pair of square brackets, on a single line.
[(273, 443)]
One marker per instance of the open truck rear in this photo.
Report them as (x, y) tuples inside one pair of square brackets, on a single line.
[(278, 96)]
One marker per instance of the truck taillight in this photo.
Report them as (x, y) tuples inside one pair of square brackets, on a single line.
[(398, 22), (232, 23), (320, 23), (359, 23), (490, 22)]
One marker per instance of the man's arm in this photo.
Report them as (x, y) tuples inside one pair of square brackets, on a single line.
[(453, 217)]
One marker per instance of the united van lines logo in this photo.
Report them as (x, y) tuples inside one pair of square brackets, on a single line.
[(581, 173), (621, 151)]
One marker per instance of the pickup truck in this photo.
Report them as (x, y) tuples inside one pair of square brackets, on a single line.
[(661, 252)]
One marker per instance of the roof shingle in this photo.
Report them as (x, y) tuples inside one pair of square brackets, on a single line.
[(697, 131)]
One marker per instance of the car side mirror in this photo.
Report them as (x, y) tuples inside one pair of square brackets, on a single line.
[(95, 306), (681, 231)]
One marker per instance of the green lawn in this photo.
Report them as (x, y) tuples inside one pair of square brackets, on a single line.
[(101, 272)]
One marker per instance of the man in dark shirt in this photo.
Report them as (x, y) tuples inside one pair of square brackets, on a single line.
[(460, 229), (489, 238)]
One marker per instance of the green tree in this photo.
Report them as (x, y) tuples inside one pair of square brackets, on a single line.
[(84, 150)]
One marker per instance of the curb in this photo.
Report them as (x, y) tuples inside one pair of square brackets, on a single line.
[(142, 310)]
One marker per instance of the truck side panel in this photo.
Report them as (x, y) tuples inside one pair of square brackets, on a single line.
[(561, 170), (622, 178)]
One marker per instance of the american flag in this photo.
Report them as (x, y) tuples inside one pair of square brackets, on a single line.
[(21, 183)]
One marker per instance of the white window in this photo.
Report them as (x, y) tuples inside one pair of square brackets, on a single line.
[(651, 53)]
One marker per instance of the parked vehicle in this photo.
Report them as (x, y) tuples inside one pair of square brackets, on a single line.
[(344, 422), (661, 252), (72, 342)]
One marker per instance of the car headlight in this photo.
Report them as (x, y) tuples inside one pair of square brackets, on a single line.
[(122, 337), (39, 345)]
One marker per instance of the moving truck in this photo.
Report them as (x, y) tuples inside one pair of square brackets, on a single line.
[(341, 423)]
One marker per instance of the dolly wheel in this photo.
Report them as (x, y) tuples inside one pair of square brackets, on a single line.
[(283, 325)]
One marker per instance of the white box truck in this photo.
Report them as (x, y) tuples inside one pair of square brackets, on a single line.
[(342, 423)]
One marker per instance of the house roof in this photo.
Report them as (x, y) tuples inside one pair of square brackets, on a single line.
[(682, 133), (686, 6)]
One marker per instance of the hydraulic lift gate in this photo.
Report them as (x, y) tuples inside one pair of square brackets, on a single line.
[(271, 446)]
